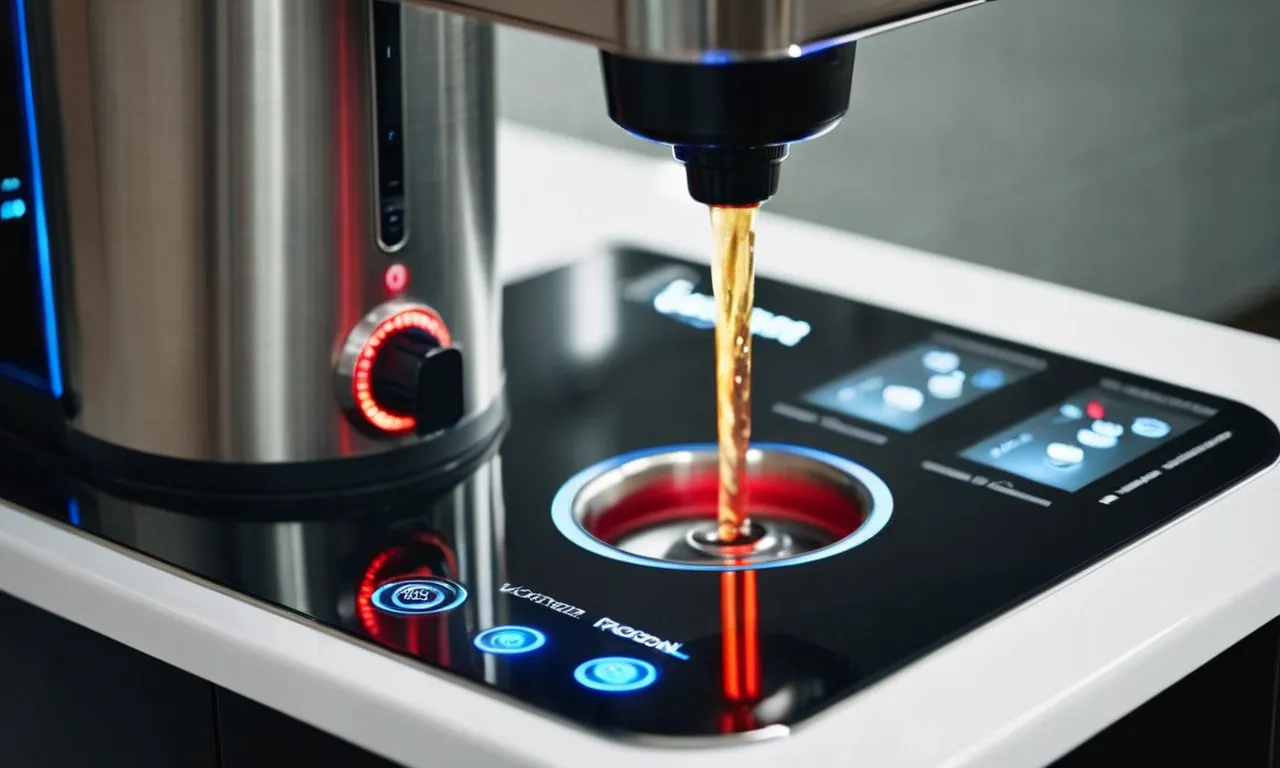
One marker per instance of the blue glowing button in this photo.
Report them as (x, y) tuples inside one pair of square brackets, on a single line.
[(418, 597), (510, 639), (616, 674)]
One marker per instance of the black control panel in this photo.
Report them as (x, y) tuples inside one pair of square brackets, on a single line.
[(27, 346), (388, 93), (1009, 469)]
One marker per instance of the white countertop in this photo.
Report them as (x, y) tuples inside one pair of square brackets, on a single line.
[(1019, 691)]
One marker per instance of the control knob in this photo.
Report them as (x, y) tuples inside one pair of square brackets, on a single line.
[(399, 373)]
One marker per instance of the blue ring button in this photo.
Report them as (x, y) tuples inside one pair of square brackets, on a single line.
[(419, 597), (510, 639), (616, 674)]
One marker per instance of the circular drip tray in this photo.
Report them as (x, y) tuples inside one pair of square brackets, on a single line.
[(657, 508)]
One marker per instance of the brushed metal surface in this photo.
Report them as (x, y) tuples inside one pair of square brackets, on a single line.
[(687, 30), (220, 184)]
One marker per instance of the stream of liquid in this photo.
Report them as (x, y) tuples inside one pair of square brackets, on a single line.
[(733, 279)]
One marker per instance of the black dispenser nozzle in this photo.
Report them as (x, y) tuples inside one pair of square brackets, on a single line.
[(730, 123)]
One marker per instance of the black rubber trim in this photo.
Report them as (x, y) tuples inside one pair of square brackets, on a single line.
[(275, 491)]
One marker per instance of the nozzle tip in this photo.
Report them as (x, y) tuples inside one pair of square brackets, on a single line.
[(732, 175)]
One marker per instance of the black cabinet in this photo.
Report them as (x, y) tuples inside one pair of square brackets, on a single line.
[(253, 735), (71, 697), (1223, 714)]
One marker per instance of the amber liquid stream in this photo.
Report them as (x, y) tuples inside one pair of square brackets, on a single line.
[(733, 280)]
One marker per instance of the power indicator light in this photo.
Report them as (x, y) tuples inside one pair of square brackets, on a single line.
[(396, 278), (616, 674), (509, 640), (1095, 409)]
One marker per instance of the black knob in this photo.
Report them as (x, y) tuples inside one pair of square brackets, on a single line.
[(414, 376)]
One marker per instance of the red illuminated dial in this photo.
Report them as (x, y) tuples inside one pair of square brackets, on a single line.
[(399, 373)]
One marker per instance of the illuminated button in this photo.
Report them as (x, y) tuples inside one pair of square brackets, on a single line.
[(616, 674), (509, 640), (1108, 428), (1064, 456), (988, 378), (1146, 426), (947, 386), (419, 597), (1092, 439), (941, 361), (902, 398)]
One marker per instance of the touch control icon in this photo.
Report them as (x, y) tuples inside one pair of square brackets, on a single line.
[(616, 674), (419, 597), (508, 640)]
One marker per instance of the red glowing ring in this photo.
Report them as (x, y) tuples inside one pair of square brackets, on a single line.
[(419, 318)]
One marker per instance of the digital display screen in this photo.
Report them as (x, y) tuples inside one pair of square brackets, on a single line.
[(23, 353), (911, 388), (1081, 439)]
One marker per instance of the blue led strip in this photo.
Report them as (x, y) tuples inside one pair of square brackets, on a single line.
[(877, 517), (73, 512), (37, 195)]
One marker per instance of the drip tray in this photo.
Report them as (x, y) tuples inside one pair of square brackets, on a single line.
[(658, 508)]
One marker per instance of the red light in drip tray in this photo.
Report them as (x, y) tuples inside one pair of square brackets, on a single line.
[(695, 496)]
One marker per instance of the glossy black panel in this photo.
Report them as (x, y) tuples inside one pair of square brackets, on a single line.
[(614, 355)]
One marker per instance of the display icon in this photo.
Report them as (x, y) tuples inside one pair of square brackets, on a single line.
[(1151, 428), (988, 378), (1108, 428), (1069, 412), (1064, 455), (1091, 439), (946, 386), (902, 398), (941, 360)]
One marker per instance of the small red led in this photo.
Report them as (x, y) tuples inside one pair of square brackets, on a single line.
[(1095, 409), (396, 278), (361, 380)]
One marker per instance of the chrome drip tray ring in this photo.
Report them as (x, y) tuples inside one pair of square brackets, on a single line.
[(656, 508)]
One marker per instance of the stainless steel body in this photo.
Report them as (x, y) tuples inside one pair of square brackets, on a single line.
[(687, 30), (221, 182)]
